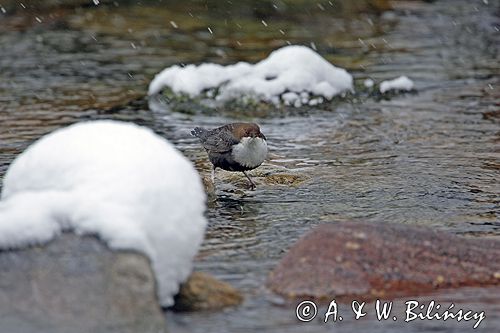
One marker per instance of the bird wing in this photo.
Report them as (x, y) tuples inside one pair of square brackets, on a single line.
[(218, 140)]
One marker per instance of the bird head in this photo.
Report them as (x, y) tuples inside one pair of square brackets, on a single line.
[(248, 130)]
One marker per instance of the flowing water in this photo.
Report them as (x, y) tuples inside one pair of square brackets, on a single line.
[(425, 158)]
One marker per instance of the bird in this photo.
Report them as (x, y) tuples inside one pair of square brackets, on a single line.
[(234, 147)]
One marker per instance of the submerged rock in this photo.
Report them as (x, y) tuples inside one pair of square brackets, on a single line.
[(76, 284), (203, 292), (265, 175), (365, 261)]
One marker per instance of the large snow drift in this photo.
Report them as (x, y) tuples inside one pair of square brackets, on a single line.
[(296, 70), (117, 180)]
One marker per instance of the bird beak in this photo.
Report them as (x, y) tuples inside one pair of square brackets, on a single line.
[(262, 136)]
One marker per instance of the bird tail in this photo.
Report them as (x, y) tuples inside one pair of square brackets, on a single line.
[(199, 132)]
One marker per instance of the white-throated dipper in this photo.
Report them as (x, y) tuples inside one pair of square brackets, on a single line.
[(234, 147)]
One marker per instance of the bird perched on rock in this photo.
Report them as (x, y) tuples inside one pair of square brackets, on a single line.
[(234, 147)]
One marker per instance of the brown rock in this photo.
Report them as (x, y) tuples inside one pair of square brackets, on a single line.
[(209, 188), (203, 292), (265, 175), (366, 261)]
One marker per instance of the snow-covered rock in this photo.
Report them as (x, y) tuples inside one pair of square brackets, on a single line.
[(117, 180), (368, 83), (291, 69), (401, 83)]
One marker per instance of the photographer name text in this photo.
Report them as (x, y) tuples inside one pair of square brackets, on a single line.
[(414, 310)]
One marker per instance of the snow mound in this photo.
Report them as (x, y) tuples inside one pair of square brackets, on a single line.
[(368, 83), (117, 180), (291, 69), (402, 83)]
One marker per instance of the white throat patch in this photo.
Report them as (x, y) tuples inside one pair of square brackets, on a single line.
[(250, 152)]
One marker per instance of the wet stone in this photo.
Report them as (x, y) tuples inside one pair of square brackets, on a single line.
[(76, 284), (266, 175), (365, 261), (203, 292)]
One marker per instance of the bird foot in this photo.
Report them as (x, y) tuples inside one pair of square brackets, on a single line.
[(252, 184)]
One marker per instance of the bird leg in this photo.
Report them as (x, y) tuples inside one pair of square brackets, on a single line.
[(252, 184), (213, 176)]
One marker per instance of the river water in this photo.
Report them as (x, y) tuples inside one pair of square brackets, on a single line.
[(426, 158)]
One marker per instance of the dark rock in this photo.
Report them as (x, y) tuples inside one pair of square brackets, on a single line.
[(203, 292), (366, 261), (76, 284), (14, 5)]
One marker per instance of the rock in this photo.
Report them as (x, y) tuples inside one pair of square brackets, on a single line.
[(265, 175), (13, 5), (203, 292), (76, 284), (209, 187), (365, 261), (284, 179)]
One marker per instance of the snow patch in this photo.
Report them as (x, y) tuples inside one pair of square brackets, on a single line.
[(291, 69), (117, 180), (401, 83), (368, 83)]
